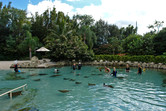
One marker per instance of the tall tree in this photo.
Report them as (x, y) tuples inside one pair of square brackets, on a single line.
[(148, 45), (63, 41), (160, 42), (12, 29), (115, 45), (85, 22), (128, 30), (29, 43), (101, 30), (156, 26), (133, 45), (39, 27)]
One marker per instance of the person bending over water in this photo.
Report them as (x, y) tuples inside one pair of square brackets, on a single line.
[(139, 69), (100, 69), (114, 72), (56, 70), (107, 70), (127, 68)]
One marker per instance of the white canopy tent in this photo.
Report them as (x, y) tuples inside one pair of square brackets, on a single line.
[(42, 49)]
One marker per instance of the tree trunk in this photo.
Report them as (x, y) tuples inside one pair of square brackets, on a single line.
[(30, 53), (113, 52)]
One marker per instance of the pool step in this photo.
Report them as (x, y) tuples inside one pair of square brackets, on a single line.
[(10, 92)]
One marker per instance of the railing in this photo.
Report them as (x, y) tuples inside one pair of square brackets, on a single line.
[(13, 90)]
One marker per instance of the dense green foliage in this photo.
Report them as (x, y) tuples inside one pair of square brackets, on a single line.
[(79, 37), (141, 58)]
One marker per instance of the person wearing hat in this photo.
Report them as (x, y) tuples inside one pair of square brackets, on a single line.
[(16, 68), (79, 66)]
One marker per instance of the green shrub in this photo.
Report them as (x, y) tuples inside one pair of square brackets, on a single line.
[(140, 58)]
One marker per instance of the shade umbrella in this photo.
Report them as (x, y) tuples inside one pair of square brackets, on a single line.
[(42, 49)]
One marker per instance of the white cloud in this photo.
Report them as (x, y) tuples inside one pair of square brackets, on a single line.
[(47, 4), (119, 12), (73, 0)]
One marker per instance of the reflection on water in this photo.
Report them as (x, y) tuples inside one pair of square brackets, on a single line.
[(83, 90)]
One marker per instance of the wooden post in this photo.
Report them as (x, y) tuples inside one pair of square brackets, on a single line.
[(10, 95), (23, 89)]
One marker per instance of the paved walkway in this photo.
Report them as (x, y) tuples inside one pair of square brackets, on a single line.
[(5, 65)]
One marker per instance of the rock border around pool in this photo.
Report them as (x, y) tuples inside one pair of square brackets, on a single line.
[(45, 63), (131, 64)]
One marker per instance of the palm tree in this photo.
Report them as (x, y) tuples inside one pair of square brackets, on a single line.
[(30, 42)]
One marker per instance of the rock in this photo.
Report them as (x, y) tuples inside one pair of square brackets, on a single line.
[(29, 109), (61, 63), (36, 79), (95, 60), (55, 75), (135, 64), (160, 66), (144, 64), (116, 62), (25, 64), (90, 84), (120, 77), (155, 66), (63, 91), (121, 63), (160, 63), (77, 82), (107, 85), (43, 74), (163, 66), (33, 75), (128, 62), (72, 80), (99, 74), (93, 74), (101, 61), (34, 61), (66, 78), (86, 76), (151, 64), (164, 81)]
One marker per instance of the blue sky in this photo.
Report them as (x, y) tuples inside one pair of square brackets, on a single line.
[(22, 4), (119, 12)]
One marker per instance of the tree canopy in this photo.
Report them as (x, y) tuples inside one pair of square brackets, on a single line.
[(79, 37)]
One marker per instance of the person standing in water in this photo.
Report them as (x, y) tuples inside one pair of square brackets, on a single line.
[(114, 72), (74, 66), (16, 67), (79, 66), (127, 68), (139, 69)]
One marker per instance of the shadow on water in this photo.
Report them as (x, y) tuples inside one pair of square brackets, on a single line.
[(13, 76)]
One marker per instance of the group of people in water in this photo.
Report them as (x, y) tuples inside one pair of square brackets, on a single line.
[(77, 66), (114, 72), (107, 70)]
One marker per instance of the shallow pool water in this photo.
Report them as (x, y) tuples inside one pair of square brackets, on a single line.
[(134, 92)]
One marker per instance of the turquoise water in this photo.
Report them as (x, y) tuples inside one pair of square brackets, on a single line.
[(134, 92)]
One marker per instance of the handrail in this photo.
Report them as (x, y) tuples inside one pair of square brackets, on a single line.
[(13, 90)]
